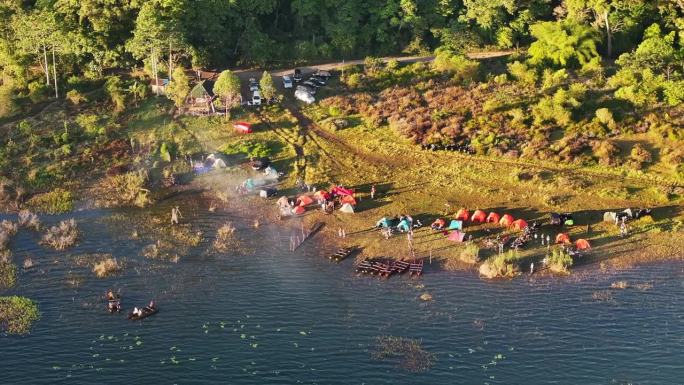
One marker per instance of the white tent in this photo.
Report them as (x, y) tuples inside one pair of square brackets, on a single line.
[(347, 208), (219, 163), (609, 216)]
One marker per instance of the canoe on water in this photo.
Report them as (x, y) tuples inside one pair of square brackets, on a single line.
[(146, 312)]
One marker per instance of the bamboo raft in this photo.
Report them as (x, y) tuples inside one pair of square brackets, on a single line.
[(416, 268), (401, 267), (341, 254), (381, 268)]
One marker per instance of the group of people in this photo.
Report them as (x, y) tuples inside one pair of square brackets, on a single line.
[(138, 312), (114, 304)]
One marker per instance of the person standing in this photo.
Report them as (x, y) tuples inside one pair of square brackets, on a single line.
[(373, 191), (175, 215)]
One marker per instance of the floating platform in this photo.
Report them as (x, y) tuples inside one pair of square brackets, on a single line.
[(342, 254), (416, 268)]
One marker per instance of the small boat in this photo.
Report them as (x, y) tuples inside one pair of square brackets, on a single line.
[(146, 312), (114, 305), (341, 254)]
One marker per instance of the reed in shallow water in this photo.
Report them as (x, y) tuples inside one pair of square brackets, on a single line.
[(62, 236)]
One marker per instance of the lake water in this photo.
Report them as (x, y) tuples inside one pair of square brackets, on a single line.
[(274, 317)]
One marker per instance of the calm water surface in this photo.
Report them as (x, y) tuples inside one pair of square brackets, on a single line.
[(272, 317)]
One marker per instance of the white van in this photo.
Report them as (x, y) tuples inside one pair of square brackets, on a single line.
[(304, 96), (256, 98)]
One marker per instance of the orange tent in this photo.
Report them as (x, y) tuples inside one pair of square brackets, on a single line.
[(506, 220), (519, 224), (493, 217), (479, 216), (299, 210), (305, 200), (563, 238), (582, 244), (463, 215), (321, 195), (348, 199)]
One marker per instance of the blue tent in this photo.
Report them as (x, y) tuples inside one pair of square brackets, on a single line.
[(455, 225), (403, 225), (384, 223)]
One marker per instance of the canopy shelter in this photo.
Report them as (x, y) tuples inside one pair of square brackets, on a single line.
[(322, 195), (304, 200), (348, 199), (299, 210), (341, 191), (520, 224), (493, 217), (582, 244), (456, 236), (478, 216), (462, 214), (563, 238), (438, 224), (347, 208), (455, 225), (506, 220), (609, 216), (243, 127), (404, 225)]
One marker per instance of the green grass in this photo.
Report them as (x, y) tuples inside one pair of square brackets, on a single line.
[(17, 314)]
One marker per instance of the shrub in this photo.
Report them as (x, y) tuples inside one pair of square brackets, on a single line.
[(8, 105), (62, 236), (522, 73), (605, 117), (38, 91), (559, 261), (606, 152), (674, 92), (125, 189), (17, 314), (224, 236), (373, 65), (251, 148), (75, 97), (56, 201), (90, 124), (502, 266), (353, 80), (107, 267), (639, 156), (553, 79), (462, 68), (8, 275)]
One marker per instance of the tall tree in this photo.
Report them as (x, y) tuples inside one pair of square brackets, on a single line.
[(227, 87), (268, 89), (562, 43), (178, 87)]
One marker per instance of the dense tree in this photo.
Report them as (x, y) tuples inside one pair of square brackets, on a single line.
[(268, 89), (563, 43), (227, 87), (178, 87)]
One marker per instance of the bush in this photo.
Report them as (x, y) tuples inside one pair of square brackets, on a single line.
[(606, 152), (8, 275), (605, 117), (90, 124), (8, 105), (501, 266), (373, 65), (224, 237), (125, 189), (553, 79), (62, 236), (522, 73), (56, 201), (17, 314), (75, 97), (559, 261), (38, 91), (639, 156), (106, 267), (674, 92), (462, 68), (251, 148), (353, 80)]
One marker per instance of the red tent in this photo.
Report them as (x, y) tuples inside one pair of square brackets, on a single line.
[(456, 236), (463, 215), (243, 127), (341, 191), (519, 224), (299, 210), (322, 195), (348, 199), (493, 217), (582, 244), (563, 238), (304, 200), (506, 220), (479, 216)]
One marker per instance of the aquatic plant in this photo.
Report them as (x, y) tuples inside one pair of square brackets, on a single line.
[(412, 357), (559, 261), (17, 314), (125, 189), (28, 263), (619, 285), (7, 231), (224, 237), (28, 220), (107, 267), (8, 274), (62, 236), (185, 236), (56, 201)]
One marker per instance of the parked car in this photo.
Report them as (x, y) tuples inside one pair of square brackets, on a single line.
[(310, 84), (253, 85), (256, 98), (243, 127), (287, 81), (309, 89), (297, 75), (323, 74), (304, 96), (318, 80)]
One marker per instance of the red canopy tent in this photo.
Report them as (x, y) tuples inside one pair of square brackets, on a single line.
[(243, 127), (563, 238), (519, 224), (506, 220), (463, 215), (341, 191), (456, 236), (582, 244), (493, 217), (479, 216)]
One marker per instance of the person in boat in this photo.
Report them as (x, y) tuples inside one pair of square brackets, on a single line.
[(111, 296), (137, 312), (151, 305)]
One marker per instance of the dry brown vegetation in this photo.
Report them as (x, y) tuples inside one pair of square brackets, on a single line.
[(107, 267), (29, 220), (224, 237), (409, 353), (62, 236)]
